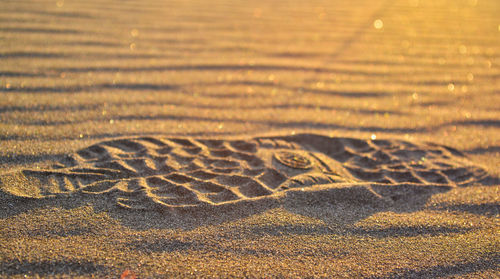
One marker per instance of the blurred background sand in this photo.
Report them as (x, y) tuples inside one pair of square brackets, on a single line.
[(73, 73)]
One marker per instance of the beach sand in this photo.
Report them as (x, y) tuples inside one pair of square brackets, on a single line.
[(338, 139)]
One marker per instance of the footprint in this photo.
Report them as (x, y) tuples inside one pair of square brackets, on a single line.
[(155, 172)]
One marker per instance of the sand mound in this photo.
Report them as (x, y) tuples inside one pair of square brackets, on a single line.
[(166, 173)]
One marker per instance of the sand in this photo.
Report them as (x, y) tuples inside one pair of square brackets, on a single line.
[(341, 139)]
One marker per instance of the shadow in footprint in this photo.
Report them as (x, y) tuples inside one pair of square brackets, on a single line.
[(347, 205)]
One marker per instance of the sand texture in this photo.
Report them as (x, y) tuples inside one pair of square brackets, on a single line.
[(154, 173), (260, 139)]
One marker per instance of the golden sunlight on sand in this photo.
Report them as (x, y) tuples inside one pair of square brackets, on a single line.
[(261, 139)]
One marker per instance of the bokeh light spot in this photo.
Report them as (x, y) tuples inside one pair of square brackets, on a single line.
[(451, 87), (470, 76), (462, 49), (378, 24)]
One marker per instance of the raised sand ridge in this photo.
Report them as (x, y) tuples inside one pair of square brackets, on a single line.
[(165, 173)]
